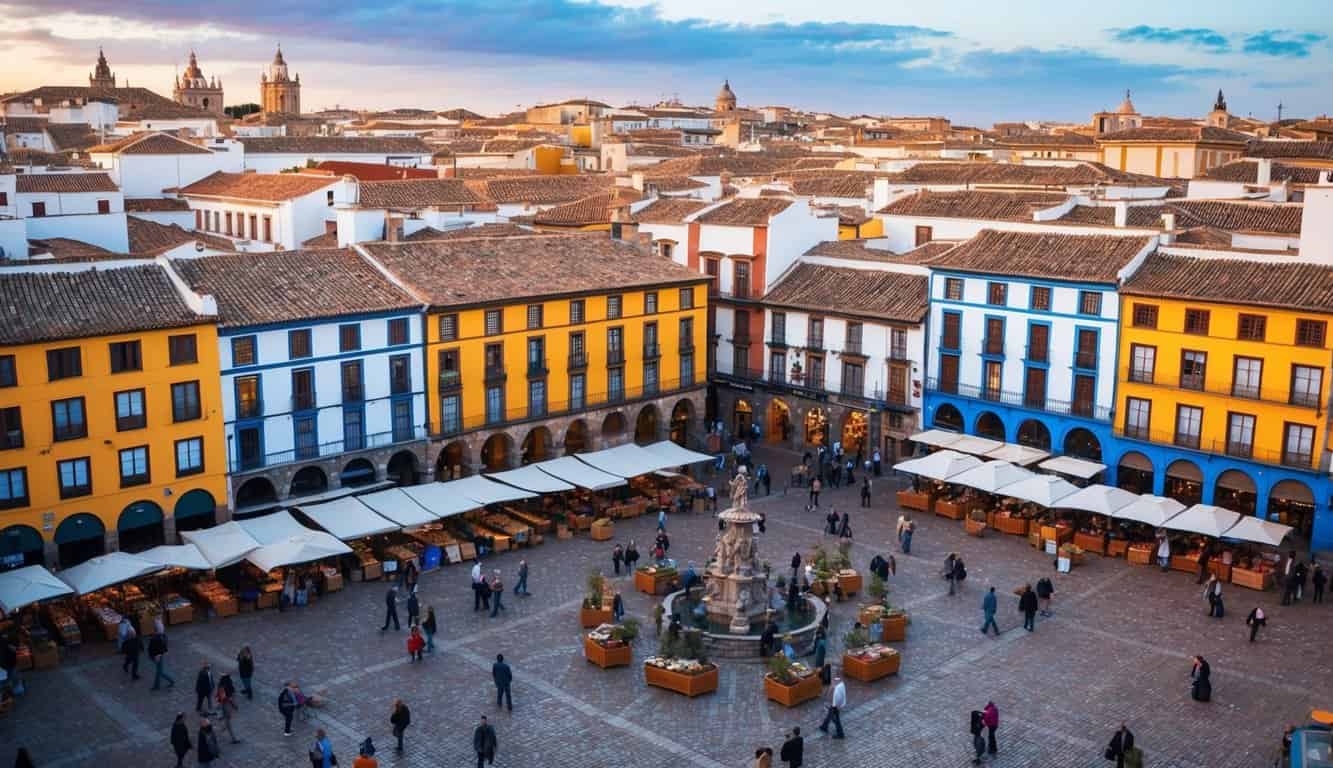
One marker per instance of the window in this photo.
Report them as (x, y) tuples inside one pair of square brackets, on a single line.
[(1196, 321), (450, 373), (185, 401), (1189, 422), (686, 369), (897, 344), (615, 346), (248, 404), (740, 283), (712, 268), (1085, 395), (578, 391), (1307, 386), (816, 334), (298, 344), (650, 303), (815, 376), (686, 338), (537, 397), (534, 316), (994, 342), (250, 447), (853, 345), (1040, 298), (228, 219), (243, 351), (11, 428), (400, 375), (577, 312), (451, 414), (303, 389), (182, 349), (996, 294), (614, 307), (126, 356), (329, 198), (1143, 363), (8, 372), (651, 349), (1034, 388), (268, 229), (130, 410), (1310, 333), (13, 488), (993, 374), (38, 210), (495, 405), (1039, 343), (306, 437), (495, 360), (494, 322), (67, 419), (401, 413), (923, 235), (349, 337), (1246, 377), (779, 327), (687, 298), (254, 227), (1089, 303), (64, 363), (189, 456), (1145, 315), (953, 288), (1085, 354), (1138, 415), (134, 466), (664, 249), (352, 382), (448, 327), (1251, 327), (398, 331), (615, 384), (75, 478), (1298, 445), (1240, 435), (853, 379), (1193, 367)]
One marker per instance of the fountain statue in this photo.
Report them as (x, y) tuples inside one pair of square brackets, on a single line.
[(736, 587)]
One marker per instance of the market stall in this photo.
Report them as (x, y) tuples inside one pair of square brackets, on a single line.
[(936, 438), (1205, 520), (393, 504), (531, 478), (575, 472), (989, 477), (675, 455), (439, 500), (285, 542), (1097, 534), (1152, 511), (1020, 455), (628, 460), (1080, 469), (347, 518), (940, 465), (172, 587), (1251, 569), (222, 545), (29, 585), (106, 570), (1045, 491), (977, 446)]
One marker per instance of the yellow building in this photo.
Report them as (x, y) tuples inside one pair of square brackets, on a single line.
[(110, 399), (1223, 387), (544, 345), (1174, 152)]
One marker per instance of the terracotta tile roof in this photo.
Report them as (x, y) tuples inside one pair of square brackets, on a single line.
[(1066, 140), (974, 204), (1247, 172), (39, 307), (539, 190), (155, 204), (131, 103), (64, 183), (68, 137), (673, 183), (1198, 133), (22, 124), (1293, 285), (332, 145), (417, 193), (149, 238), (746, 212), (24, 156), (471, 271), (890, 296), (481, 230), (458, 113), (1015, 174), (1310, 150), (822, 160), (374, 171), (594, 209), (1228, 215), (1086, 258), (830, 183), (268, 187), (324, 240), (669, 210), (495, 173), (317, 284), (717, 163), (66, 249), (848, 215), (150, 143), (660, 150), (860, 250)]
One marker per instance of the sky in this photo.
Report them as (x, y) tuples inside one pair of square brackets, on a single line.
[(975, 62)]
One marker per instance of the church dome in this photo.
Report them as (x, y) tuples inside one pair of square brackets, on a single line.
[(277, 58), (192, 71), (726, 93), (1126, 107)]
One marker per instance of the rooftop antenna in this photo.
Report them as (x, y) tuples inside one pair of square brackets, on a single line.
[(1279, 111)]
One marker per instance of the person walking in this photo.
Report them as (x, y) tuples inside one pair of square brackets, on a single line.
[(203, 689), (157, 652), (951, 572), (391, 609), (793, 749), (1212, 592), (1163, 551), (1319, 579), (631, 556), (287, 706), (845, 527), (1301, 574), (905, 538), (503, 677), (1201, 686), (480, 597), (837, 700), (245, 667), (225, 696), (989, 604), (865, 491), (415, 644), (1255, 620), (617, 607), (1122, 743), (617, 555), (661, 518), (1045, 590), (366, 756), (990, 717), (322, 751), (180, 739), (484, 743), (521, 588), (429, 627), (413, 609), (816, 486), (207, 742), (400, 719), (132, 647), (497, 592), (821, 648), (1027, 603), (976, 725), (1289, 578)]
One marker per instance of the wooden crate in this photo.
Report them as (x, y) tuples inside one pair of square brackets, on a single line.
[(1090, 543), (689, 685), (912, 500), (894, 628), (856, 668), (954, 510)]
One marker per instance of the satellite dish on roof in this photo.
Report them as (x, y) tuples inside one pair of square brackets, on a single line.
[(199, 246)]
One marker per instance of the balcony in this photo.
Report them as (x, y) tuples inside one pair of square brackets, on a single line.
[(1080, 408), (899, 352), (353, 394), (778, 339), (815, 342), (852, 348), (804, 386), (495, 374), (450, 380), (578, 360), (651, 350), (615, 356), (993, 346), (1269, 395), (1240, 450), (1139, 376), (1085, 361), (249, 409), (537, 368), (303, 402)]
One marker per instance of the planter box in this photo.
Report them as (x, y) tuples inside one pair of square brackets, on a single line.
[(372, 571), (689, 685), (1259, 580), (1184, 563), (652, 583), (562, 532), (1090, 543), (591, 617), (1139, 556), (1117, 547), (951, 509), (604, 657), (912, 500), (895, 627), (1058, 534), (856, 668), (1034, 535), (602, 532), (580, 522), (974, 527), (1219, 569), (333, 583), (1015, 526), (869, 614), (850, 581), (805, 689), (181, 615)]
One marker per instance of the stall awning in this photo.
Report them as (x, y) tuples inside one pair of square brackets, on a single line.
[(530, 478), (274, 527), (1153, 510), (1099, 499), (977, 446), (940, 465), (335, 493), (1014, 453), (1046, 490), (991, 476), (397, 506), (675, 454), (571, 470), (1068, 465), (348, 518), (1204, 519), (28, 585), (439, 500), (937, 438), (628, 460), (484, 491), (223, 544), (178, 556), (1259, 531), (300, 548), (106, 570)]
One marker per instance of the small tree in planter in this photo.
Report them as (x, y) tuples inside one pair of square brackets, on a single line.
[(849, 580), (788, 682), (594, 610), (780, 669), (857, 637)]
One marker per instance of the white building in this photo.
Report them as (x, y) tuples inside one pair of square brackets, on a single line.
[(76, 206), (145, 164), (265, 211), (271, 154), (393, 210)]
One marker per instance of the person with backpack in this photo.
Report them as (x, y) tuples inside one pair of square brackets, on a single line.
[(1045, 589), (321, 754), (400, 719), (1027, 603), (226, 698), (287, 706)]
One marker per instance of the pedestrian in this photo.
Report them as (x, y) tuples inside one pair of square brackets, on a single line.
[(950, 571), (1163, 551), (484, 743), (1027, 603), (832, 518), (410, 576), (203, 689), (661, 518), (226, 694), (503, 676), (413, 609), (321, 754), (429, 627), (837, 700), (1045, 590), (989, 604), (865, 491), (415, 644), (617, 607), (287, 706), (1212, 592), (180, 739), (1255, 620), (480, 597), (1201, 685), (521, 588), (821, 648), (391, 609), (1202, 567), (959, 572), (245, 667), (1319, 579), (400, 719), (1122, 742), (366, 756), (990, 716), (23, 758), (617, 555), (905, 539), (763, 757), (1301, 574), (793, 749), (132, 647), (631, 556), (157, 652), (851, 473), (1289, 578), (845, 528), (767, 639), (497, 592), (207, 742), (975, 727), (815, 487), (875, 461), (123, 631)]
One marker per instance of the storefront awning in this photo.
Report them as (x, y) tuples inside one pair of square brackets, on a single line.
[(977, 446), (348, 518), (1099, 499), (297, 549), (571, 470), (222, 545), (1068, 465), (991, 476), (484, 491), (628, 460), (439, 500), (1021, 455), (1204, 519), (940, 465), (675, 454), (28, 585), (937, 438), (530, 478), (106, 570), (178, 556), (274, 527), (1152, 510), (397, 506), (1258, 531), (1046, 490)]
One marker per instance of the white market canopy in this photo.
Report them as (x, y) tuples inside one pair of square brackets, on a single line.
[(273, 527), (1153, 510), (178, 556), (571, 470), (1204, 519), (991, 476), (28, 585), (484, 491), (529, 478), (347, 518), (1046, 490), (940, 465), (439, 500), (937, 438), (1100, 499), (1068, 465), (1259, 531), (223, 544), (397, 506), (1021, 455), (628, 460), (106, 570), (675, 454), (296, 549), (977, 446)]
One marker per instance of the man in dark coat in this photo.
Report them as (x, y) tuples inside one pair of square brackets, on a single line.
[(793, 749), (484, 743), (203, 690), (1027, 603), (503, 676), (1121, 744), (157, 651), (400, 719), (391, 609), (180, 739), (132, 647)]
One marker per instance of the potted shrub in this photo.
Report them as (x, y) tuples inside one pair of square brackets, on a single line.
[(825, 575), (561, 521), (975, 523), (790, 683), (893, 621), (1073, 552), (866, 661), (602, 529), (654, 578), (596, 606), (610, 645), (849, 580), (681, 665)]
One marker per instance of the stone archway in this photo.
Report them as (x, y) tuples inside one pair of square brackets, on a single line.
[(1236, 491), (308, 481), (357, 472), (1135, 473), (79, 538), (1291, 502), (779, 421), (1082, 444), (256, 490), (454, 461), (816, 427), (576, 437), (537, 445), (21, 545), (140, 527), (948, 417), (989, 425), (682, 413), (1184, 482), (1034, 434), (402, 468), (613, 426), (497, 453), (646, 425), (194, 510)]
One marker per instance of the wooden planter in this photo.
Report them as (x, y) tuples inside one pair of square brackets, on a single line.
[(689, 685), (1219, 569), (894, 627), (563, 531), (1117, 547), (1259, 580), (1014, 526), (591, 617), (1184, 563), (1090, 542), (805, 689), (850, 581), (974, 527), (953, 510), (1139, 556), (912, 500), (580, 522), (602, 532), (606, 657), (857, 668), (1034, 535), (869, 614), (823, 587), (653, 583)]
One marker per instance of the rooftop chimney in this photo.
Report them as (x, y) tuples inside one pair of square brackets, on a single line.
[(1121, 213), (1263, 172), (1317, 221)]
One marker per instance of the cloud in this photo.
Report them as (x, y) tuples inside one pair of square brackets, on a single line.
[(1206, 39), (1281, 42), (1076, 68)]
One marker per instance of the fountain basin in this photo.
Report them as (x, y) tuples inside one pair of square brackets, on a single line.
[(721, 643)]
